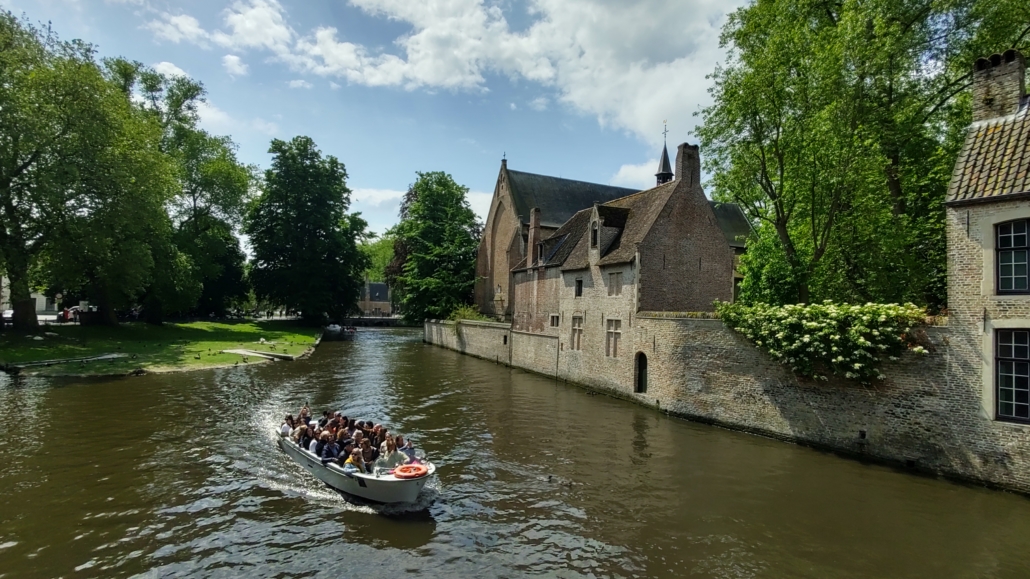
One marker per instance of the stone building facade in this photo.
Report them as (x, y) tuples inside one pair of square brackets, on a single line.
[(506, 231), (963, 410)]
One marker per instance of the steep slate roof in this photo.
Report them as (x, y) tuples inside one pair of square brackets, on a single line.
[(733, 222), (994, 161), (558, 199)]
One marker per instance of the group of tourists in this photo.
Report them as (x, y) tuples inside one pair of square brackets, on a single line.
[(358, 446)]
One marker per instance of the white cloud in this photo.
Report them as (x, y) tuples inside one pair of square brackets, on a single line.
[(267, 127), (480, 203), (300, 84), (168, 69), (636, 176), (630, 64), (234, 65), (513, 107), (377, 196), (215, 118), (182, 27), (334, 86)]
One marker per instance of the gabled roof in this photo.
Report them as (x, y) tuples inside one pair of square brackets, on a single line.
[(995, 160), (733, 222), (558, 199)]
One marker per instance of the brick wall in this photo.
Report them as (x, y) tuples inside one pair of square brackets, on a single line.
[(923, 415), (486, 340)]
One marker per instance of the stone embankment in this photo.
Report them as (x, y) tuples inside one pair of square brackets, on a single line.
[(919, 418)]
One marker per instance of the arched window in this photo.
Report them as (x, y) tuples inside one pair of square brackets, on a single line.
[(640, 386), (593, 235)]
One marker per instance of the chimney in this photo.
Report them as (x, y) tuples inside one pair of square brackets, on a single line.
[(534, 237), (999, 84), (688, 164)]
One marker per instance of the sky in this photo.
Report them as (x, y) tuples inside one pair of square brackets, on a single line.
[(570, 88)]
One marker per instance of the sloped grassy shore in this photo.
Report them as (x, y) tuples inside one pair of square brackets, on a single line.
[(166, 348)]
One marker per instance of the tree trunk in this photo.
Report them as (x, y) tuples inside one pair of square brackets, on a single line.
[(153, 313), (105, 312), (21, 298)]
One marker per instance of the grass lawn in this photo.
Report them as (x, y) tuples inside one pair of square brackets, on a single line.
[(153, 348)]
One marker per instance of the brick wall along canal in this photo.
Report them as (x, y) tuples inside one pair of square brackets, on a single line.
[(177, 475)]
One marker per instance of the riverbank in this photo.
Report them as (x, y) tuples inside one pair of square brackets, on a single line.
[(133, 347)]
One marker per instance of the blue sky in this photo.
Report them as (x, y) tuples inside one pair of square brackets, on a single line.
[(571, 88)]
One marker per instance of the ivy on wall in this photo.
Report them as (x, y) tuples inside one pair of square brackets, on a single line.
[(817, 339)]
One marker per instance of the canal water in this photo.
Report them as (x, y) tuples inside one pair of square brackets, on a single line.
[(177, 475)]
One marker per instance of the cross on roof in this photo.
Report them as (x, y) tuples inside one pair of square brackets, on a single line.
[(665, 133)]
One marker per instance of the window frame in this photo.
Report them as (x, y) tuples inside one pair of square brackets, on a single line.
[(576, 337), (999, 361), (613, 336), (615, 284), (555, 320), (594, 234), (578, 288), (998, 249)]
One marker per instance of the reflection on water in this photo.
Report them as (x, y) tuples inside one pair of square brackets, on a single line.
[(179, 475)]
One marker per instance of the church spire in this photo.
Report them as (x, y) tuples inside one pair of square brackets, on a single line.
[(664, 173)]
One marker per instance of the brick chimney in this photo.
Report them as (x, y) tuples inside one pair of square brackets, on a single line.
[(999, 84), (688, 163), (534, 237)]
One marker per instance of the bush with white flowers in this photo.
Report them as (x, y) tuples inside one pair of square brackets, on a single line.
[(817, 339)]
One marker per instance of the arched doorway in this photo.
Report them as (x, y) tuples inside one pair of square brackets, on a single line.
[(640, 386)]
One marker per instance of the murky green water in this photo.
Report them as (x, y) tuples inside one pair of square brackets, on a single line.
[(178, 475)]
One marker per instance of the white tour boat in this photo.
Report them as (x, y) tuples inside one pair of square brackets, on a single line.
[(381, 487)]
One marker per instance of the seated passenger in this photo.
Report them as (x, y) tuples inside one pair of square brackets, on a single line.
[(323, 439), (313, 445), (368, 453), (304, 437), (392, 458), (330, 451), (377, 435), (358, 437), (405, 446), (324, 420), (287, 426), (354, 463), (384, 437)]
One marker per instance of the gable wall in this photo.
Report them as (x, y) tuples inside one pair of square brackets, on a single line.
[(499, 250), (685, 261)]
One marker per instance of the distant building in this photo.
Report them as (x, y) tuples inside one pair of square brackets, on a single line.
[(44, 305), (375, 300), (664, 249), (988, 228), (506, 233)]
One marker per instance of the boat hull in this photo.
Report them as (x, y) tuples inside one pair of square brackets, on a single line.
[(382, 489)]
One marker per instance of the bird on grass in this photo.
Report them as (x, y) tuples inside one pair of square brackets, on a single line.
[(197, 357)]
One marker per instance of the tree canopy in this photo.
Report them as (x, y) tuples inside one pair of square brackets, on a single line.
[(835, 127), (83, 182), (305, 244), (435, 250)]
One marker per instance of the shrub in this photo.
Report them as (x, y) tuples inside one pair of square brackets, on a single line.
[(467, 312), (816, 339)]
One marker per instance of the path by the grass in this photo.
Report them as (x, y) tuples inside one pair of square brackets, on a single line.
[(164, 348)]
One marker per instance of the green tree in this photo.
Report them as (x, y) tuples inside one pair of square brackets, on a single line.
[(82, 177), (380, 254), (305, 245), (835, 126), (439, 235), (213, 191)]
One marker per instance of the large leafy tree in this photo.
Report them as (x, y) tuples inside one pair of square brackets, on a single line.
[(380, 254), (435, 249), (83, 181), (835, 126), (305, 244), (213, 190)]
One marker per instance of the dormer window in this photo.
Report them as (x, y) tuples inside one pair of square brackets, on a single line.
[(593, 234), (1012, 251)]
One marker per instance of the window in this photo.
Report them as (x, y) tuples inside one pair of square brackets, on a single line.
[(611, 346), (579, 288), (593, 235), (615, 284), (577, 333), (1012, 258), (1013, 380), (554, 321)]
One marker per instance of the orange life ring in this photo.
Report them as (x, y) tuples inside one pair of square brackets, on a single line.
[(411, 471)]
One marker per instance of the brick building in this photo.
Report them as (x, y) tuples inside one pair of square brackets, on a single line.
[(664, 249), (506, 233), (988, 212)]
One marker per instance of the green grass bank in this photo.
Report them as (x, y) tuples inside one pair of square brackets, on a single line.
[(166, 348)]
